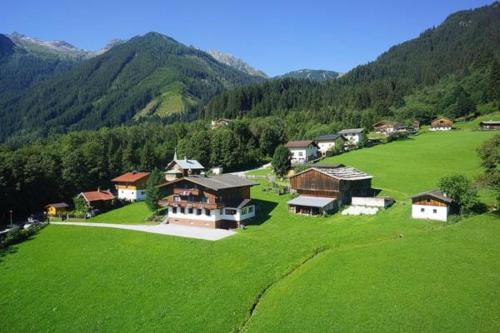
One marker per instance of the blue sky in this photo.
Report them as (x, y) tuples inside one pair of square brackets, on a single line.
[(275, 36)]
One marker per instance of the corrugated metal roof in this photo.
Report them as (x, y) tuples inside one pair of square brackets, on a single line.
[(308, 201), (347, 173)]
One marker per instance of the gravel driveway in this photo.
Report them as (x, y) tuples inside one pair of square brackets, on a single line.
[(163, 229)]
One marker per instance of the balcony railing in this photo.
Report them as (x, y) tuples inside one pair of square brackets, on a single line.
[(189, 204), (186, 191)]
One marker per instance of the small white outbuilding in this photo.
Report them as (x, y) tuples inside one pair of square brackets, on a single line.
[(431, 205)]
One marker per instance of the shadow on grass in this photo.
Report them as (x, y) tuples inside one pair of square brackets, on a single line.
[(263, 208)]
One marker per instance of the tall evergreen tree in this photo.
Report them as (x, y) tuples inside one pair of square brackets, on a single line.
[(153, 194)]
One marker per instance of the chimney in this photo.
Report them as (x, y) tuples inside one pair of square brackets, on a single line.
[(185, 158), (98, 189)]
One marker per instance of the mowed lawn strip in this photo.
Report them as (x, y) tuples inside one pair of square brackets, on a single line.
[(86, 279)]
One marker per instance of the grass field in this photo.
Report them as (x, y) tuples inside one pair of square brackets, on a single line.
[(373, 273), (134, 213)]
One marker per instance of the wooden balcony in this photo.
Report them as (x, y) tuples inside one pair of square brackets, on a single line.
[(187, 191), (188, 204)]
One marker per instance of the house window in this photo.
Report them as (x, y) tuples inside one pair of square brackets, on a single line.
[(177, 198), (190, 210), (183, 210), (198, 211), (230, 211), (301, 154), (207, 212), (428, 200), (174, 210), (250, 209), (422, 210), (435, 211)]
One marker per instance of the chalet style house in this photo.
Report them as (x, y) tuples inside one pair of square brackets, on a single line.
[(182, 168), (431, 205), (353, 137), (131, 186), (490, 125), (328, 142), (387, 127), (216, 123), (302, 151), (324, 188), (213, 202), (441, 124), (100, 199)]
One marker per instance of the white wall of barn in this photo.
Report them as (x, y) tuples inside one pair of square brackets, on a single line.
[(438, 213)]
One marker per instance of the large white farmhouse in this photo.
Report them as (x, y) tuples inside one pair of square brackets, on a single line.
[(302, 151), (353, 137), (431, 205), (328, 142)]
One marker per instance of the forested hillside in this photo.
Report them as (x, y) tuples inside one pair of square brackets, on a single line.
[(22, 66), (151, 76), (310, 74), (461, 54)]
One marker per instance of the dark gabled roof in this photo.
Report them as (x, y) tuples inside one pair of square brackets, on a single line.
[(216, 183), (436, 194), (299, 144), (328, 137), (58, 205), (352, 131)]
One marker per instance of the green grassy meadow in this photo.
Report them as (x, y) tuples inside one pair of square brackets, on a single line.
[(134, 213), (336, 274)]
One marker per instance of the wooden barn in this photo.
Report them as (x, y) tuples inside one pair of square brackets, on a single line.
[(441, 124), (325, 188)]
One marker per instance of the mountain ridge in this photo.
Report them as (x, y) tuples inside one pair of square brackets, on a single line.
[(235, 62)]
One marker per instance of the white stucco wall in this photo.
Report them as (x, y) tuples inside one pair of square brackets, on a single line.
[(131, 194), (215, 214), (437, 213), (354, 138), (307, 154), (325, 146)]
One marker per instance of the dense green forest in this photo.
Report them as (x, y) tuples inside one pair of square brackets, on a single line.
[(59, 167), (151, 76)]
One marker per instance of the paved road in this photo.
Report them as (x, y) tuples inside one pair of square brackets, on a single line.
[(164, 229), (242, 173)]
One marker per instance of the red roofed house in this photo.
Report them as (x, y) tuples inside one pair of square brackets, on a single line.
[(131, 186), (100, 199)]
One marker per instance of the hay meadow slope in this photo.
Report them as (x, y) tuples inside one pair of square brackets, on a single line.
[(375, 273)]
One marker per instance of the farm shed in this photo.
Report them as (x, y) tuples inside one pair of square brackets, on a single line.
[(431, 205)]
